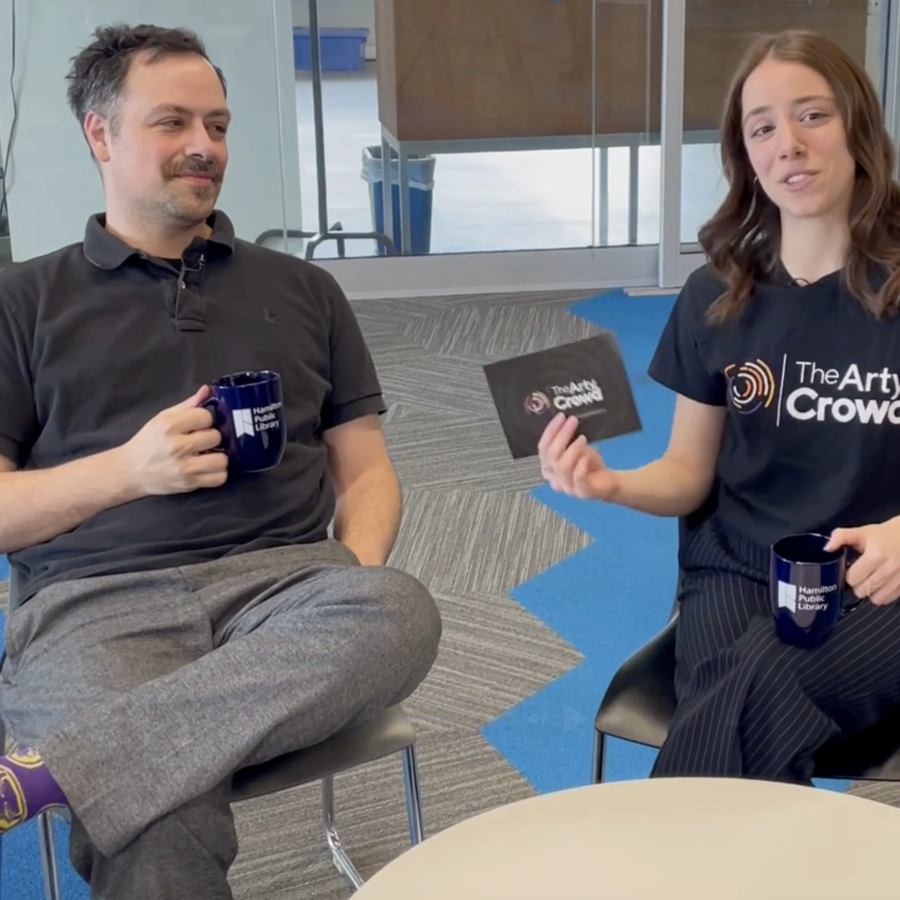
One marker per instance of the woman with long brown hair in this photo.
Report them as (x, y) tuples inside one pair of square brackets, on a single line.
[(784, 355)]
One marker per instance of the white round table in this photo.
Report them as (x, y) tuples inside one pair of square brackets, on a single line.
[(681, 838)]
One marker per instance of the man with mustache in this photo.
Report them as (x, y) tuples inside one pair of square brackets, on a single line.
[(173, 620)]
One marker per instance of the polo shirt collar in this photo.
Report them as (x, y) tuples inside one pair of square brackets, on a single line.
[(106, 251)]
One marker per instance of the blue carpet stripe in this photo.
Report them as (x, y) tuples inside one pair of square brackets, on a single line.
[(611, 597), (608, 598)]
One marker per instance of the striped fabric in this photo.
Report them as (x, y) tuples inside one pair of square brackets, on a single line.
[(749, 705)]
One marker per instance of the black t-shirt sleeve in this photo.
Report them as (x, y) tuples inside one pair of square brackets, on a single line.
[(680, 362), (18, 419), (355, 389)]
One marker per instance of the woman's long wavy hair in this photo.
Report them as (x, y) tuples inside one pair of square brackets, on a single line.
[(742, 240)]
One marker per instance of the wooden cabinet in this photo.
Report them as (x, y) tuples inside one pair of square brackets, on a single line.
[(497, 69)]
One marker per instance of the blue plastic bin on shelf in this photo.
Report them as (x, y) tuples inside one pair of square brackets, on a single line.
[(421, 193), (342, 49)]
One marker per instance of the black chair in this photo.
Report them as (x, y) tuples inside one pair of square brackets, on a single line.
[(386, 733), (640, 701)]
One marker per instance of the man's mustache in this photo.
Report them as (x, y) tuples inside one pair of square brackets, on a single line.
[(195, 168)]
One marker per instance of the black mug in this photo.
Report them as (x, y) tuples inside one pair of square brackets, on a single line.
[(806, 588), (248, 410)]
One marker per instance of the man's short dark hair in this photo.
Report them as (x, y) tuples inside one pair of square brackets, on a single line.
[(98, 73)]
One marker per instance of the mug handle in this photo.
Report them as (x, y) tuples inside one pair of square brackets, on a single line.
[(852, 557), (213, 406)]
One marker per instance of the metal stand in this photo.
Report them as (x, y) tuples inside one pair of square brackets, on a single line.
[(335, 232)]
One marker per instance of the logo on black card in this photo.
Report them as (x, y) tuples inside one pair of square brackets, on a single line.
[(576, 395), (586, 379), (536, 403)]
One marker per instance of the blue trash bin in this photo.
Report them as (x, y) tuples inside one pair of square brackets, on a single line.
[(421, 193), (340, 49)]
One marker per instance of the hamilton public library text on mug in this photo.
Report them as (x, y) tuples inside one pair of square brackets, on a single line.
[(248, 409)]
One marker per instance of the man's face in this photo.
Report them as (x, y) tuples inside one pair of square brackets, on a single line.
[(167, 155)]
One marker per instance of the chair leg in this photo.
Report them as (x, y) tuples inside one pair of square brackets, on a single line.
[(338, 855), (599, 763), (413, 796), (47, 844), (341, 860)]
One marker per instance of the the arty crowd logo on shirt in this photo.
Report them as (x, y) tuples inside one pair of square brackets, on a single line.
[(808, 391), (751, 386)]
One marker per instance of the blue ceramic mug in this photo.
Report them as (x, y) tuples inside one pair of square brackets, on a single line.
[(807, 588), (248, 410)]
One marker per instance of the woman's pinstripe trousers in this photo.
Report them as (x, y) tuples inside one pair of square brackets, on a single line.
[(748, 704)]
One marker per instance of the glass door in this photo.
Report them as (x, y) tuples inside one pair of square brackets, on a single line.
[(702, 42), (518, 142)]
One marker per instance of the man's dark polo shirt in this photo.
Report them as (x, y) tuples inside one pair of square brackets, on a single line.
[(97, 338)]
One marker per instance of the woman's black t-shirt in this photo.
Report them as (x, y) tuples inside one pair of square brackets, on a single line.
[(811, 383)]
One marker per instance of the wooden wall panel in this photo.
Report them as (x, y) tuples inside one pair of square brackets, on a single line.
[(481, 69)]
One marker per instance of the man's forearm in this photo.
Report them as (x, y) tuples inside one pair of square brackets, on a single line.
[(663, 488), (38, 505), (367, 518)]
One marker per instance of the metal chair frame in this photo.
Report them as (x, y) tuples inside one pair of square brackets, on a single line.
[(276, 776)]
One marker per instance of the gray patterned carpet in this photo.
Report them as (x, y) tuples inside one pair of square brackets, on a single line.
[(464, 499)]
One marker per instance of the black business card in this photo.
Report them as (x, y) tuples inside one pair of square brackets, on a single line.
[(586, 379)]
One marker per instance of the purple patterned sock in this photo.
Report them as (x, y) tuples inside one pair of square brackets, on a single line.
[(26, 788)]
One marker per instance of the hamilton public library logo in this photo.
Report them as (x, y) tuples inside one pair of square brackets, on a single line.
[(249, 422), (243, 422)]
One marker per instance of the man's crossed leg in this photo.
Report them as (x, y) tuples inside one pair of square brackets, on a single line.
[(142, 694)]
